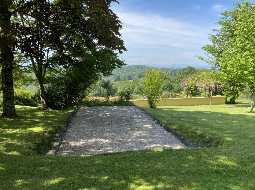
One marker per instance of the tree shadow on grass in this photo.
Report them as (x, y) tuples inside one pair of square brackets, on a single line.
[(32, 126), (197, 169)]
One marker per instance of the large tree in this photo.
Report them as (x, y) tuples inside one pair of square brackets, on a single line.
[(238, 59), (37, 34), (7, 45), (220, 42), (67, 35), (235, 49)]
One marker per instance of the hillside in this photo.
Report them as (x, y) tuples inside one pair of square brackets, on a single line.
[(135, 72)]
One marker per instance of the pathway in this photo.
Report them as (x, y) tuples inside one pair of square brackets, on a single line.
[(100, 130)]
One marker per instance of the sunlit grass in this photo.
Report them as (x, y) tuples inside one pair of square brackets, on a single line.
[(209, 125), (20, 136)]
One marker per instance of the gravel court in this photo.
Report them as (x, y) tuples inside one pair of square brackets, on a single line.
[(106, 129)]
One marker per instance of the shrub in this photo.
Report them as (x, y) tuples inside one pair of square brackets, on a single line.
[(125, 94), (67, 88), (153, 86), (56, 95), (26, 98), (166, 94), (108, 89)]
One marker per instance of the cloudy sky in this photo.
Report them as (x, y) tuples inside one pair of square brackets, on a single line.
[(168, 33)]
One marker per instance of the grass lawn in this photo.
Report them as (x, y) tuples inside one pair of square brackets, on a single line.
[(228, 165)]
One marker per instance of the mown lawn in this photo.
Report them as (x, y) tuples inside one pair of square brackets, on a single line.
[(31, 132), (229, 165)]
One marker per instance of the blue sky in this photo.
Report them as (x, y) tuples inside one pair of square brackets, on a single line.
[(168, 33)]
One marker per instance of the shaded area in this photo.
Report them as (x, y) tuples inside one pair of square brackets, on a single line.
[(32, 131)]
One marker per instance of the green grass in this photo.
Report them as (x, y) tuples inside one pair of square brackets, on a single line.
[(31, 132), (221, 125), (229, 166)]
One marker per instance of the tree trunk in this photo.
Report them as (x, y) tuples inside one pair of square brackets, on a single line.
[(43, 95), (252, 106), (7, 84), (210, 93), (7, 59)]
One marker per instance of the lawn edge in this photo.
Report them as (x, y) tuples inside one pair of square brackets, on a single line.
[(59, 136), (179, 136)]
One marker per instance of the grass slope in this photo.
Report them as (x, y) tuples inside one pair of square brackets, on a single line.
[(230, 166)]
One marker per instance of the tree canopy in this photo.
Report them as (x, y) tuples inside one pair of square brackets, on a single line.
[(232, 49), (74, 41)]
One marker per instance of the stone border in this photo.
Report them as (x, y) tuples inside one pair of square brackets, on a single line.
[(59, 136), (180, 137)]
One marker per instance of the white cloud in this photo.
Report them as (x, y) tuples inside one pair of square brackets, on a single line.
[(153, 39), (218, 8)]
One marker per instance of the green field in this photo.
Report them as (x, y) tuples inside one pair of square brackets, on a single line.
[(229, 165)]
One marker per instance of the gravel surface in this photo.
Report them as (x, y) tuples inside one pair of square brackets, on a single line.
[(101, 130)]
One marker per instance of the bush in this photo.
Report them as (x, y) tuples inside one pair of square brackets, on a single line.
[(166, 94), (66, 89), (153, 86), (26, 98), (125, 94), (108, 88), (62, 93), (56, 95)]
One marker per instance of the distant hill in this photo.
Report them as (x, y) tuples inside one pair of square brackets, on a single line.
[(131, 72), (135, 72)]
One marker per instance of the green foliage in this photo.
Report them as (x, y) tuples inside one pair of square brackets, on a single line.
[(136, 86), (250, 95), (108, 88), (26, 98), (238, 61), (173, 85), (204, 83), (153, 86), (71, 34), (56, 94), (125, 73), (191, 88), (232, 49), (66, 87), (125, 93)]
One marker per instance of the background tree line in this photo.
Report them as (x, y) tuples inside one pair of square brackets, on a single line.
[(155, 83)]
